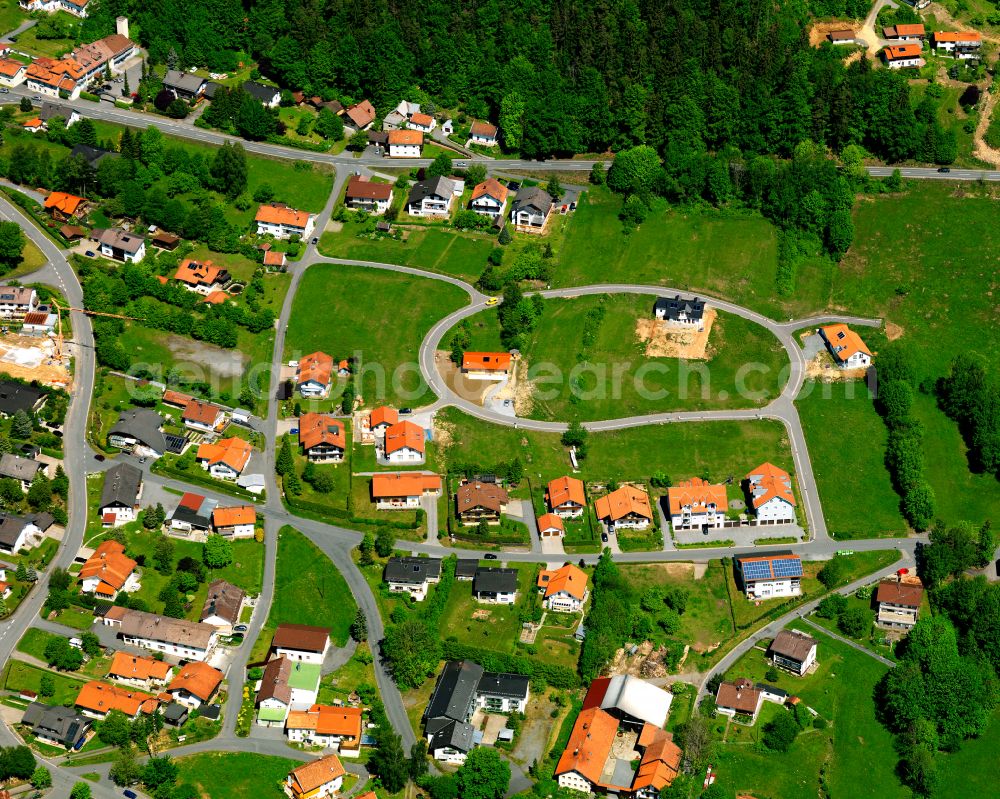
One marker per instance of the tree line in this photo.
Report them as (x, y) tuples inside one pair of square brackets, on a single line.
[(970, 395), (560, 76)]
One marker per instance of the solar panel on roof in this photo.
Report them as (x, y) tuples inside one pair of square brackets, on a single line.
[(175, 444), (756, 570), (788, 568)]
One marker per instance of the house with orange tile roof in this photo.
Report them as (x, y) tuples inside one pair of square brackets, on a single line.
[(846, 347), (489, 198), (61, 206), (201, 277), (329, 726), (235, 522), (367, 195), (961, 44), (614, 747), (483, 134), (176, 398), (78, 8), (739, 697), (322, 438), (107, 571), (5, 590), (425, 123), (226, 459), (33, 125), (627, 506), (405, 143), (282, 222), (274, 260), (203, 416), (777, 574), (697, 504), (97, 699), (486, 365), (902, 56), (314, 375), (361, 115), (565, 497), (551, 526), (316, 779), (479, 501), (563, 590), (195, 684), (403, 490), (904, 33), (378, 421), (403, 442), (138, 671), (50, 76), (771, 497), (12, 72)]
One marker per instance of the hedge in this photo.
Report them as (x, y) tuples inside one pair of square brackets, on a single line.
[(88, 96), (556, 676)]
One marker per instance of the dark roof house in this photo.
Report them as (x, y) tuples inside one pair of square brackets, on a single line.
[(55, 723), (92, 155), (224, 601), (494, 581), (678, 308), (412, 571), (16, 397), (122, 483), (142, 424)]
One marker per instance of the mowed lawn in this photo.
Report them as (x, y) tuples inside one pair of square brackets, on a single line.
[(694, 251), (310, 591), (235, 775), (969, 772), (856, 750), (377, 317), (681, 451), (495, 627), (928, 261), (846, 439), (437, 249), (613, 377)]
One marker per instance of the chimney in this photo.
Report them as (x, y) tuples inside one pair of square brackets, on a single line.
[(121, 26)]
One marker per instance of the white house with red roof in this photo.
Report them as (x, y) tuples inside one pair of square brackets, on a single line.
[(770, 490), (846, 347), (282, 222), (403, 443)]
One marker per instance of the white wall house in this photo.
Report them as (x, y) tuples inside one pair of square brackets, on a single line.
[(696, 503), (282, 222), (771, 495), (405, 143), (771, 576)]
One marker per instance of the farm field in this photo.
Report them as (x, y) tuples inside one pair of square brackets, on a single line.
[(613, 377), (339, 325), (855, 748), (312, 592), (717, 449)]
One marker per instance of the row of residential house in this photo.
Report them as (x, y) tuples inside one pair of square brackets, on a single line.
[(563, 589), (907, 47), (435, 198)]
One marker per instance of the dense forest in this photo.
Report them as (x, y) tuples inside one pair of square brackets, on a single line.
[(560, 76)]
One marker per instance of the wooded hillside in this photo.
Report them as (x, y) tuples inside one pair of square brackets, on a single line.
[(561, 76)]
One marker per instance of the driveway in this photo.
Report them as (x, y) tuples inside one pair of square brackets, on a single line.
[(552, 545)]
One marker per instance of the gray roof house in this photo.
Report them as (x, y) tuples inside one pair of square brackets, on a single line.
[(20, 469), (679, 309), (431, 197), (93, 155), (122, 487), (466, 568), (269, 96), (530, 209), (16, 397), (462, 687), (14, 531), (52, 110), (412, 570), (495, 585), (122, 245), (184, 85), (56, 725), (138, 430)]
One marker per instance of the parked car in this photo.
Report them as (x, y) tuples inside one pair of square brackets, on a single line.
[(490, 556), (240, 628), (294, 431), (130, 794), (604, 538), (90, 254), (404, 411), (315, 240), (514, 185), (5, 91), (491, 301), (99, 457)]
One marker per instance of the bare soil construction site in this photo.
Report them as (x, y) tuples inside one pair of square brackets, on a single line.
[(31, 358)]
